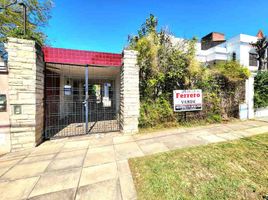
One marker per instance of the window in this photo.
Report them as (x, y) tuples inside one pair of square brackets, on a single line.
[(3, 58), (234, 56), (253, 61), (3, 103), (3, 66)]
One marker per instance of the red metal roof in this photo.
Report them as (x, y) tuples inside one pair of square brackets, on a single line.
[(79, 57)]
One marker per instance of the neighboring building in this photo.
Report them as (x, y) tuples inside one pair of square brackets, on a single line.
[(214, 48)]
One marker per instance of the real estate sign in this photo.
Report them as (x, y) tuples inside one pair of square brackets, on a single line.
[(187, 100)]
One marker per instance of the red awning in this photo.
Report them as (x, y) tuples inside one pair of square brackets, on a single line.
[(79, 57)]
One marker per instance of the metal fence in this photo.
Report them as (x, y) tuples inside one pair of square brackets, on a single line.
[(65, 110)]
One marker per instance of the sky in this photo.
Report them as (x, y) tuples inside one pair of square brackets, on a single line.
[(104, 25)]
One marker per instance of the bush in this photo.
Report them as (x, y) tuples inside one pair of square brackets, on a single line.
[(166, 65), (155, 112), (261, 90)]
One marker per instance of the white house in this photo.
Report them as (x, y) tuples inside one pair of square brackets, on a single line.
[(214, 48)]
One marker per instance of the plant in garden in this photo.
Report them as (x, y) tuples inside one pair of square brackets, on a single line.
[(167, 64), (261, 90)]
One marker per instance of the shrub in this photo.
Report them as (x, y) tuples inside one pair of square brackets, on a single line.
[(166, 65), (155, 112), (261, 90)]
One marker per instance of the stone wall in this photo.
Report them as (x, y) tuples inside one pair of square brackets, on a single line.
[(26, 89), (129, 93)]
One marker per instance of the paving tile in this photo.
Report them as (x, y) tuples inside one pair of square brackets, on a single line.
[(229, 136), (18, 189), (26, 170), (218, 130), (3, 170), (255, 123), (15, 155), (127, 150), (56, 181), (100, 155), (9, 163), (70, 154), (128, 190), (151, 146), (181, 141), (68, 194), (212, 138), (67, 163), (98, 173), (254, 131), (105, 190), (237, 126), (159, 134), (123, 139), (100, 141), (47, 149), (31, 159), (75, 145), (123, 167), (199, 132)]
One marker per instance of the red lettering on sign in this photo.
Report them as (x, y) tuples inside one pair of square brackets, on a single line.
[(192, 95)]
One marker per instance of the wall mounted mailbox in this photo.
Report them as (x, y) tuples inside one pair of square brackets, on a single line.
[(3, 103), (17, 109)]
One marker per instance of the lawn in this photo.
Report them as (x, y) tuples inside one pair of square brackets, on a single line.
[(230, 170)]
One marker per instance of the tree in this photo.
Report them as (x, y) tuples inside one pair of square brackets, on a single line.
[(11, 20), (164, 64), (168, 64), (261, 47)]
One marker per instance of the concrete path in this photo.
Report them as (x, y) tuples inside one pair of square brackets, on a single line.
[(96, 166)]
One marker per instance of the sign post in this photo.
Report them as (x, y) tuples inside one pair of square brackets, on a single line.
[(187, 100)]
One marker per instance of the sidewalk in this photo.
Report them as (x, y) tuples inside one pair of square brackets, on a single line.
[(96, 166)]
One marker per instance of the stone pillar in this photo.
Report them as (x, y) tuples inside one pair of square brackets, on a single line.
[(129, 93), (26, 92)]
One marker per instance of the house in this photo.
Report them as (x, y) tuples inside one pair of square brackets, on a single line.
[(48, 93), (214, 48)]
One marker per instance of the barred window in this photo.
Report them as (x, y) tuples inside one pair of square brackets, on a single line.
[(253, 61), (3, 65)]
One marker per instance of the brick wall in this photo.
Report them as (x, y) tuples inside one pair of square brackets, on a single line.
[(26, 80)]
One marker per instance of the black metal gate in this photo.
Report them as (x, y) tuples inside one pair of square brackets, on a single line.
[(77, 105)]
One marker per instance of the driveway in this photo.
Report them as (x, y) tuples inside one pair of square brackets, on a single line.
[(96, 166)]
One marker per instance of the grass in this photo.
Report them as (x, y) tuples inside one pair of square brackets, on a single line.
[(230, 170)]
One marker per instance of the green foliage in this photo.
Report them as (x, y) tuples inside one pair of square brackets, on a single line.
[(11, 19), (231, 70), (167, 64), (261, 90), (154, 112), (212, 107)]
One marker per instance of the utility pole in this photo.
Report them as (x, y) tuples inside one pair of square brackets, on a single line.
[(24, 17)]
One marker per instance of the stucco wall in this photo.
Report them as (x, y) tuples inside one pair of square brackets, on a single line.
[(4, 117)]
